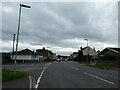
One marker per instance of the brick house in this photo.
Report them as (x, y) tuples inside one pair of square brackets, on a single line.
[(45, 53)]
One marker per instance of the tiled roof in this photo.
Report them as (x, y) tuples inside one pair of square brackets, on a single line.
[(25, 52), (117, 50)]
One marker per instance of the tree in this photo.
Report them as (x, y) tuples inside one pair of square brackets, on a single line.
[(80, 55)]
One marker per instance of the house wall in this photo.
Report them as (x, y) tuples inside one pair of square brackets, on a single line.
[(23, 57), (90, 51), (35, 57), (108, 57)]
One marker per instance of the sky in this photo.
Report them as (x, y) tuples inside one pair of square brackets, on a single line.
[(60, 26)]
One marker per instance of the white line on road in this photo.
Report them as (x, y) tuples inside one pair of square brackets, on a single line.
[(75, 68), (99, 78), (71, 66), (38, 81)]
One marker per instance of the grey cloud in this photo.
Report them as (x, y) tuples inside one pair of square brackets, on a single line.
[(53, 23)]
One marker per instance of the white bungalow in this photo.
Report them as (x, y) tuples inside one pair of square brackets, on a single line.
[(26, 54)]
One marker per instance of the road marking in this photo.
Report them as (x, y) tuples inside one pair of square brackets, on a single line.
[(48, 63), (71, 66), (99, 78), (38, 81), (75, 68)]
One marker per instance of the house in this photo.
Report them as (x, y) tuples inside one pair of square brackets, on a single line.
[(89, 54), (89, 51), (45, 53), (73, 55), (26, 55), (109, 56)]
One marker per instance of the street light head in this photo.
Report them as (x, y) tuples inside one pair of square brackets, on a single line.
[(22, 5), (85, 39)]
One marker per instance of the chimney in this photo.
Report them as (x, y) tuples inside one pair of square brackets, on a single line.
[(81, 48), (43, 48), (94, 49)]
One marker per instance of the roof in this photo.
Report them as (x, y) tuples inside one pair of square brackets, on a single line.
[(89, 50), (115, 50), (75, 52), (25, 52), (86, 47)]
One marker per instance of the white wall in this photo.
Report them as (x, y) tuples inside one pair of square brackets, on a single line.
[(23, 57), (90, 51)]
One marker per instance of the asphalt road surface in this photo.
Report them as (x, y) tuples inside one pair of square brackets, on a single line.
[(68, 74)]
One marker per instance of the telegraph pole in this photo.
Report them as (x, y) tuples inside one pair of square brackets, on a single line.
[(13, 46)]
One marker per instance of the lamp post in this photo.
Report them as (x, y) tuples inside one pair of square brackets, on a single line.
[(26, 6), (87, 41)]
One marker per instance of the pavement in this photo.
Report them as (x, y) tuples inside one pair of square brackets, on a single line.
[(16, 83), (64, 74)]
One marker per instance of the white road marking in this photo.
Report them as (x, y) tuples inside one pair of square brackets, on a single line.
[(49, 63), (71, 66), (38, 81), (75, 68), (99, 78)]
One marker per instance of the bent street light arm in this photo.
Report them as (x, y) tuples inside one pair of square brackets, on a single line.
[(22, 5)]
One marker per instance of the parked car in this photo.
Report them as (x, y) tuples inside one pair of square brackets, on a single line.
[(58, 60)]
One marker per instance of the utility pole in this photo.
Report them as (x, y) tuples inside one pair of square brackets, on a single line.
[(13, 50), (13, 46)]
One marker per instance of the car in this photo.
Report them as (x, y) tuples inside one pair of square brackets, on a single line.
[(58, 60)]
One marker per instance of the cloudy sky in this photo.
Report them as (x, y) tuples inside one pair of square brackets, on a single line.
[(61, 26)]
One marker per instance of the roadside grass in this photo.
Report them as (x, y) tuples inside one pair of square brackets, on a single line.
[(10, 75), (100, 66)]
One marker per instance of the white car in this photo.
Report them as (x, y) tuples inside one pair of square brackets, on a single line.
[(58, 60)]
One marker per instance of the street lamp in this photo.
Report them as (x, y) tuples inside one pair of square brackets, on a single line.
[(87, 41), (26, 6)]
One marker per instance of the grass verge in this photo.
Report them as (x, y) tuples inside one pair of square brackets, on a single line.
[(10, 75), (100, 66)]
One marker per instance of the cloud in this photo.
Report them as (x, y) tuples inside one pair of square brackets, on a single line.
[(63, 25)]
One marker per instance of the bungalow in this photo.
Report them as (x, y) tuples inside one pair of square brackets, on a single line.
[(109, 56), (26, 55)]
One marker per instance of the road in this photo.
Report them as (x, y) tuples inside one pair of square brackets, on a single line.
[(68, 74)]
